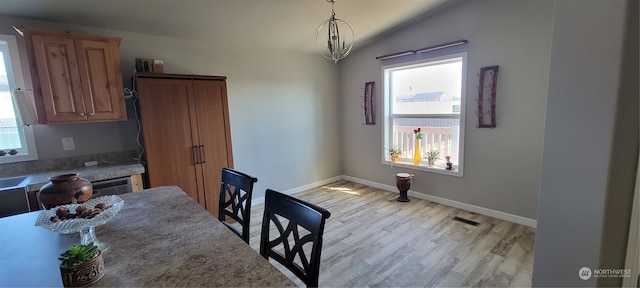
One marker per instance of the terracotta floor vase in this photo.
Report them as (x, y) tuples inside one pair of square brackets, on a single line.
[(403, 182)]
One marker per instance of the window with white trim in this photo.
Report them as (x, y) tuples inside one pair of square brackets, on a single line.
[(16, 140), (428, 94)]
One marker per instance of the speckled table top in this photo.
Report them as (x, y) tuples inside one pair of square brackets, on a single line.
[(161, 237)]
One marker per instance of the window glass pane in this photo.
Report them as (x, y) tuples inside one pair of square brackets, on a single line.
[(438, 134), (9, 135), (16, 140), (429, 95), (434, 88)]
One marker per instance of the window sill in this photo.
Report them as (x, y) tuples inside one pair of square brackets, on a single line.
[(423, 167), (17, 158)]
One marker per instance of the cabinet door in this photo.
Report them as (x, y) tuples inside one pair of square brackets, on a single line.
[(167, 111), (59, 78), (214, 135), (102, 91)]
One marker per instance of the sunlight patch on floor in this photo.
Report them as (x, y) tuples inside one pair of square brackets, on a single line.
[(342, 189)]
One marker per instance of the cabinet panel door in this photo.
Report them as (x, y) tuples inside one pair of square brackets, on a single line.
[(214, 135), (165, 110), (102, 85), (59, 78)]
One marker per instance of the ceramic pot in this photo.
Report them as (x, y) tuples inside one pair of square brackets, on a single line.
[(86, 273), (65, 189)]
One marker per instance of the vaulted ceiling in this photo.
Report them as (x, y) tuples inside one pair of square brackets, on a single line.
[(281, 24)]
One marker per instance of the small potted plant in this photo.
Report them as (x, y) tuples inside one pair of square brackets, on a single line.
[(432, 156), (81, 265), (394, 153)]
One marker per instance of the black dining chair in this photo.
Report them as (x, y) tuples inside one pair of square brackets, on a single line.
[(296, 214), (235, 201)]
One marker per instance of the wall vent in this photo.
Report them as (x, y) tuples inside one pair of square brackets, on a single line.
[(466, 221)]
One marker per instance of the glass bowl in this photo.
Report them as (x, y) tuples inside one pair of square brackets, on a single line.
[(82, 225), (78, 224)]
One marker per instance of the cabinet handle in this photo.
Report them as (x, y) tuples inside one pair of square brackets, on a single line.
[(204, 157), (92, 113), (81, 114), (196, 154)]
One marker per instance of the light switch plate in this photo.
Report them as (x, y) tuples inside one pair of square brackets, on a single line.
[(67, 144)]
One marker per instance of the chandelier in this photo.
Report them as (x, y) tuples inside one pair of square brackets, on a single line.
[(336, 46)]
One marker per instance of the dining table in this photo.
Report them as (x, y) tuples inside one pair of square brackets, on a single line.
[(160, 237)]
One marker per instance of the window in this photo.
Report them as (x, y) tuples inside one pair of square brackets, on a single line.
[(428, 94), (13, 135)]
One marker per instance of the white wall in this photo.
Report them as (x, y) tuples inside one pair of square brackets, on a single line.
[(502, 165), (591, 143), (282, 106)]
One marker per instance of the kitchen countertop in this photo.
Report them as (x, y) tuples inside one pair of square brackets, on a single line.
[(161, 237), (91, 173)]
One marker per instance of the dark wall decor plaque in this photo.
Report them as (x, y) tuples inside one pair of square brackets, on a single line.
[(487, 82), (369, 103)]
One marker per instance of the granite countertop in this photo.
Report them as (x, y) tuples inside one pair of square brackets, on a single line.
[(91, 173), (161, 237)]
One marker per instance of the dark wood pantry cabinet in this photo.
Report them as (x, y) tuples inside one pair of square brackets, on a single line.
[(185, 127)]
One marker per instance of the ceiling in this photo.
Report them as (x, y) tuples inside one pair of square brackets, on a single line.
[(279, 24)]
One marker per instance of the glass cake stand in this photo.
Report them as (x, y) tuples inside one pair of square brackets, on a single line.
[(86, 227)]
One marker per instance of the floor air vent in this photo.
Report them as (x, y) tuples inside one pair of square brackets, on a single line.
[(466, 221)]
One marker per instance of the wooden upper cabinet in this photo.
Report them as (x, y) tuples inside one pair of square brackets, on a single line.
[(76, 77)]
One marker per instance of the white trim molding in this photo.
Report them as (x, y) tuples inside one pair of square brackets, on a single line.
[(299, 189), (456, 204), (632, 261)]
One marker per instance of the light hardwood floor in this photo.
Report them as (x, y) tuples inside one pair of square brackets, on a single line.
[(373, 240)]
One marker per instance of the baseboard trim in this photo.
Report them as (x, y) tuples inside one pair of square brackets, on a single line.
[(299, 189), (456, 204)]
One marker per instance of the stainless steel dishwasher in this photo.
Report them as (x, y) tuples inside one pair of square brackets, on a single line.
[(111, 187)]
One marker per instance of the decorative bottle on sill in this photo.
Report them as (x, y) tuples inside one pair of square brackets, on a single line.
[(416, 154), (417, 157)]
